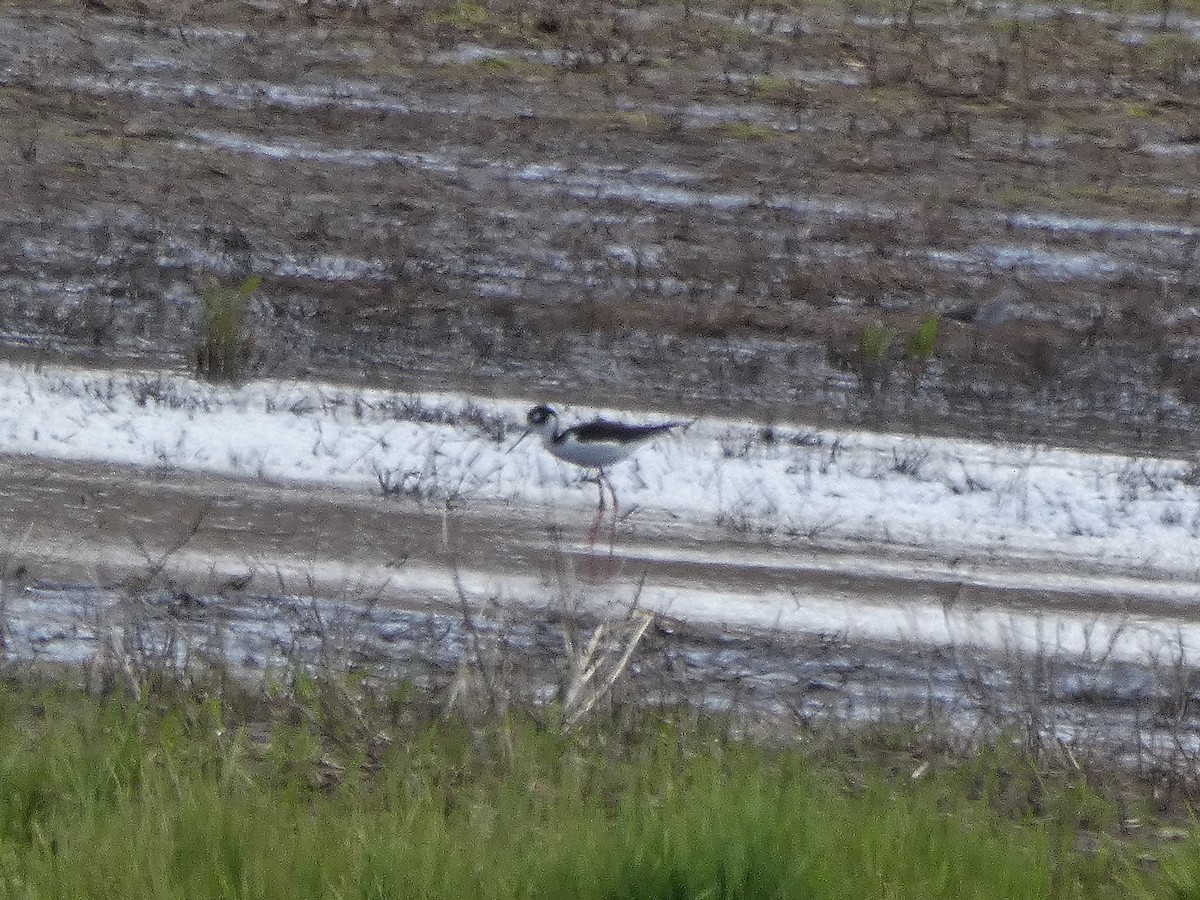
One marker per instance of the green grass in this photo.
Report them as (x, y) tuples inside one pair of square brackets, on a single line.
[(747, 131), (169, 798), (463, 15), (874, 342), (1138, 111), (923, 341)]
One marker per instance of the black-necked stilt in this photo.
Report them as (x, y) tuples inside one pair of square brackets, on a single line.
[(594, 445)]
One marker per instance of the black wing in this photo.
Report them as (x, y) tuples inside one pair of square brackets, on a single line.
[(603, 430)]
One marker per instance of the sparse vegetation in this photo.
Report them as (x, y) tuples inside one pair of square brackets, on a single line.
[(225, 342), (464, 15), (748, 131)]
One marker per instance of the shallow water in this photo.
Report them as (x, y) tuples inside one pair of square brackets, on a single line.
[(174, 570)]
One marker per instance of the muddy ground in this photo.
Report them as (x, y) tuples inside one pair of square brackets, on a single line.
[(660, 205), (172, 571)]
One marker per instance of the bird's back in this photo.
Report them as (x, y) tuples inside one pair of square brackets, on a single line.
[(602, 430)]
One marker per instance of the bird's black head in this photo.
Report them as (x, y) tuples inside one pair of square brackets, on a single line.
[(539, 416)]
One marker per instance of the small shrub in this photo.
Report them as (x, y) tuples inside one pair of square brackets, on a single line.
[(910, 463), (225, 345), (874, 343), (923, 341)]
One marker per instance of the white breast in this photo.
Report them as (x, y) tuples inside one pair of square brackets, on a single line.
[(590, 455)]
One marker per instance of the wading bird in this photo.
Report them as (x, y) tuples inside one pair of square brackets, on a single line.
[(594, 445)]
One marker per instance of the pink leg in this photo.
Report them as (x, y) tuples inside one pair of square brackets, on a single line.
[(595, 529), (612, 530)]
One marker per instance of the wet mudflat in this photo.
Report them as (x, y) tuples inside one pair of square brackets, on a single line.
[(677, 205), (181, 571)]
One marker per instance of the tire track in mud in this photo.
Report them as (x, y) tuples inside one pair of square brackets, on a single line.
[(105, 526)]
